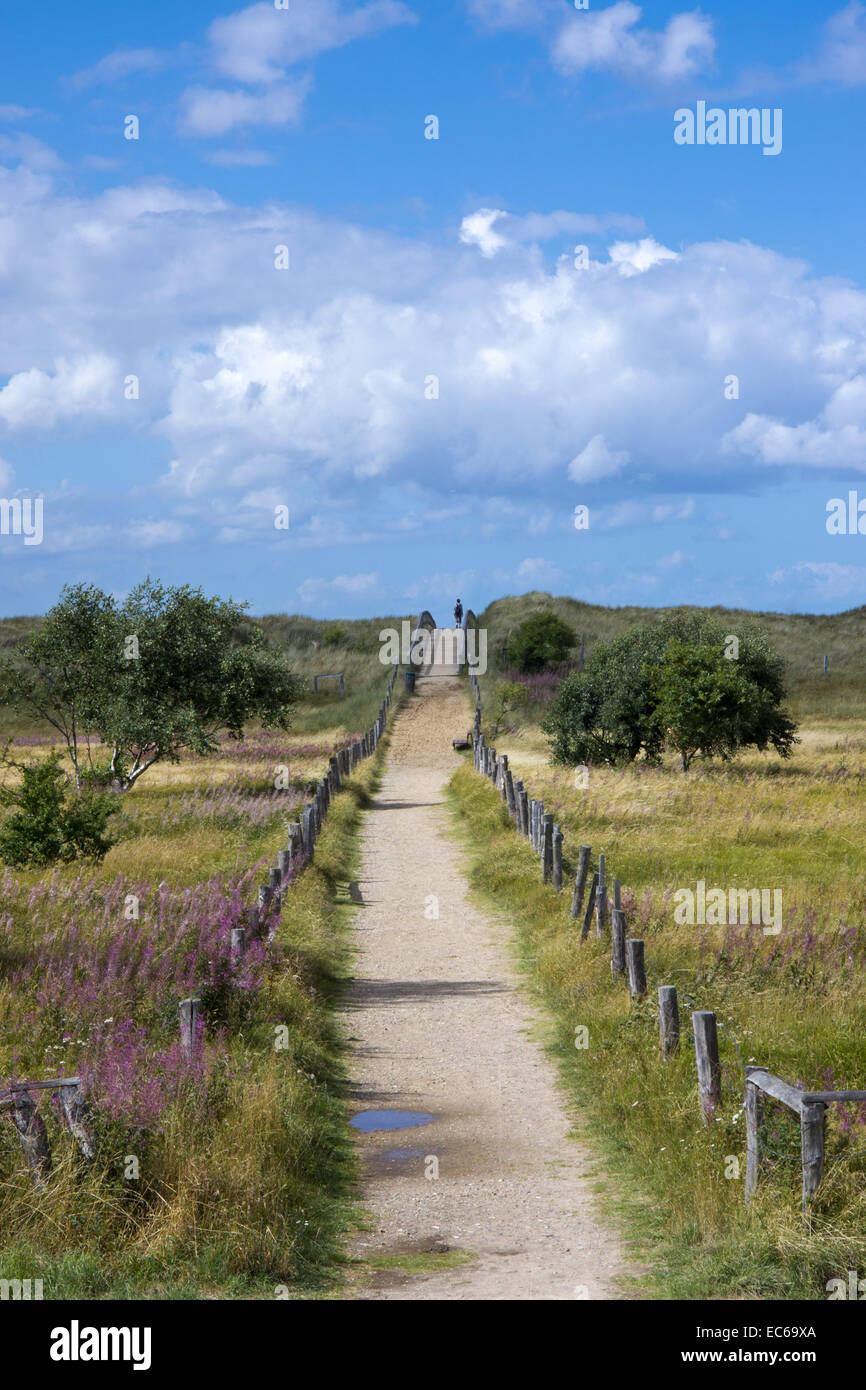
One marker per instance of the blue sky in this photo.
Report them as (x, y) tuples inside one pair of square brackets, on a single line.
[(438, 378)]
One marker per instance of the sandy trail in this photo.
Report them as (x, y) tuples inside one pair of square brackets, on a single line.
[(441, 1025)]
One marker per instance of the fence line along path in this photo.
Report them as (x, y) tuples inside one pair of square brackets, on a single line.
[(442, 1032)]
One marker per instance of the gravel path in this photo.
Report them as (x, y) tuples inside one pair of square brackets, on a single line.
[(441, 1025)]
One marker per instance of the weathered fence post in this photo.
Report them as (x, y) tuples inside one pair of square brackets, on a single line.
[(636, 967), (579, 881), (189, 1011), (590, 908), (524, 811), (265, 894), (617, 893), (238, 944), (295, 839), (617, 942), (600, 900), (754, 1108), (547, 849), (76, 1113), (309, 834), (509, 793), (812, 1147), (707, 1058), (34, 1136), (284, 863), (557, 858), (669, 1020)]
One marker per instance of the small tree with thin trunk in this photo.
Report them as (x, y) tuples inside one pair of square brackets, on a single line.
[(167, 670)]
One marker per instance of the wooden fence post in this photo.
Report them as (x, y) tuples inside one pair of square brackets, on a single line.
[(579, 881), (524, 812), (76, 1113), (590, 907), (600, 900), (812, 1148), (190, 1012), (557, 858), (547, 849), (754, 1108), (34, 1136), (509, 793), (617, 942), (636, 967), (617, 893), (669, 1020), (284, 863), (238, 944), (309, 832), (707, 1057)]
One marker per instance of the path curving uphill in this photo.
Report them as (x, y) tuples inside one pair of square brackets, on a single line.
[(442, 1027)]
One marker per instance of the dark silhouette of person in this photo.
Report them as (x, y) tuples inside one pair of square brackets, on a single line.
[(458, 613)]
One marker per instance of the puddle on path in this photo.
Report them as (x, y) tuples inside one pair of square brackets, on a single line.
[(368, 1120), (402, 1155)]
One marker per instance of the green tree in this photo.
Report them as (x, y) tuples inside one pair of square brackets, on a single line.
[(672, 683), (709, 705), (542, 639), (603, 714), (169, 669)]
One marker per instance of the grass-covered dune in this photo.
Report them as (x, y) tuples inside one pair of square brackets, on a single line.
[(802, 639)]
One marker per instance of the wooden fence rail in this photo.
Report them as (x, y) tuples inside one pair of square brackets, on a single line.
[(810, 1106), (337, 676)]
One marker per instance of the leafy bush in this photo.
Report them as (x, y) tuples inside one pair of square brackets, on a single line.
[(333, 636), (541, 640), (49, 821), (673, 684)]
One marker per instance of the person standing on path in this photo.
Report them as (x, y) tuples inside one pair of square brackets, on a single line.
[(458, 613)]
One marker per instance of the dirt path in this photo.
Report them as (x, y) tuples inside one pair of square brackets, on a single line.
[(440, 1026)]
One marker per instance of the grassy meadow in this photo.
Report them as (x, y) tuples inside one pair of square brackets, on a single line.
[(231, 1175), (243, 1178), (795, 1002)]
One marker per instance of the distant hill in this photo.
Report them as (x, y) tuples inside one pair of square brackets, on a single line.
[(802, 639)]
